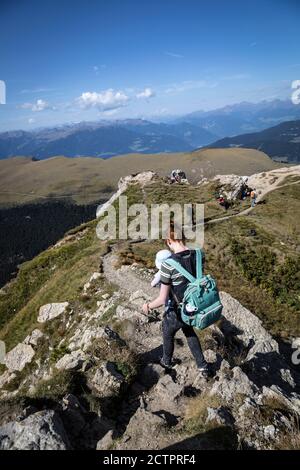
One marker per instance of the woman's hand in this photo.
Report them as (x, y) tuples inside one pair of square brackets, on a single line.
[(159, 301), (145, 309)]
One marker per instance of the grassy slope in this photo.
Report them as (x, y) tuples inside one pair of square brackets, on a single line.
[(59, 273), (90, 179)]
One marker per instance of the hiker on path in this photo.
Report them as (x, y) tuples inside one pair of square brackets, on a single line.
[(173, 285), (253, 198)]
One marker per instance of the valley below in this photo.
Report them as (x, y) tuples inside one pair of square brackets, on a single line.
[(28, 229)]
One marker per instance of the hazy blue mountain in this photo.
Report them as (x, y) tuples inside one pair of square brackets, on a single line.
[(281, 142), (243, 117), (104, 139)]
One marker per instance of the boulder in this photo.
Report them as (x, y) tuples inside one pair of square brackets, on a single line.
[(144, 431), (93, 278), (233, 384), (141, 178), (18, 357), (107, 380), (34, 337), (49, 311), (270, 432), (6, 377), (43, 430), (220, 416), (74, 360), (125, 313), (106, 442), (84, 337), (245, 326), (232, 185)]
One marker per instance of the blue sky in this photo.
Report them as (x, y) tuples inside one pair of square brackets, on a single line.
[(65, 61)]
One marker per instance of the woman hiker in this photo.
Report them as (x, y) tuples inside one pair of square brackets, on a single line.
[(173, 285)]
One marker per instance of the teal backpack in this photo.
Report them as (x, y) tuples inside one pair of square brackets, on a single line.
[(201, 305)]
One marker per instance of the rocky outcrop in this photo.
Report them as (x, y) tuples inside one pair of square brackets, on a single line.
[(34, 337), (141, 179), (231, 185), (43, 430), (93, 278), (18, 357), (245, 326), (74, 360), (107, 380), (50, 311)]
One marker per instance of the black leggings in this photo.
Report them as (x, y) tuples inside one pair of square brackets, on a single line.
[(170, 325)]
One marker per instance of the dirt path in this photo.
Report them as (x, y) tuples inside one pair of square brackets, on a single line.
[(125, 278), (156, 398)]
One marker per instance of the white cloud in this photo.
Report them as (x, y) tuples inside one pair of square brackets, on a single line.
[(173, 54), (146, 93), (104, 101), (39, 105), (31, 120)]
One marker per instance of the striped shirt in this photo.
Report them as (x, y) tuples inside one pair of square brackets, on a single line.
[(170, 276)]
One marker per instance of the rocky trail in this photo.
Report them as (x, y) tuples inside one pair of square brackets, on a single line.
[(153, 412)]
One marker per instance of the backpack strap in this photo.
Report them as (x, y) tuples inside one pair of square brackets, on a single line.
[(198, 263), (172, 262)]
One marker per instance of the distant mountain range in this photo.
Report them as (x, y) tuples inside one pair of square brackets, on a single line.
[(244, 117), (281, 142), (109, 138), (105, 139)]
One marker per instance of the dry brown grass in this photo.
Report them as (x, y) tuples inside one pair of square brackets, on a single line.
[(88, 179)]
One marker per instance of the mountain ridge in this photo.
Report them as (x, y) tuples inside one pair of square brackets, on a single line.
[(281, 142)]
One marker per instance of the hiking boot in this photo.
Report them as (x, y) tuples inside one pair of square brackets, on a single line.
[(205, 373), (164, 365)]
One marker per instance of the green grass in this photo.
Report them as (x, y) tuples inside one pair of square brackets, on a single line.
[(56, 275)]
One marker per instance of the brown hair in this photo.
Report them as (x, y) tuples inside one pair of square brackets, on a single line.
[(175, 234)]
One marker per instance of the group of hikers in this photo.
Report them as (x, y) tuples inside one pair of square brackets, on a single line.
[(245, 192)]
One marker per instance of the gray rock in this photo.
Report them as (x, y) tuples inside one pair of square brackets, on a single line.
[(34, 337), (93, 278), (41, 431), (230, 385), (84, 337), (270, 432), (210, 356), (141, 178), (18, 357), (106, 442), (107, 380), (125, 313), (49, 311), (247, 326), (220, 416), (74, 360), (6, 377), (144, 431), (167, 389)]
